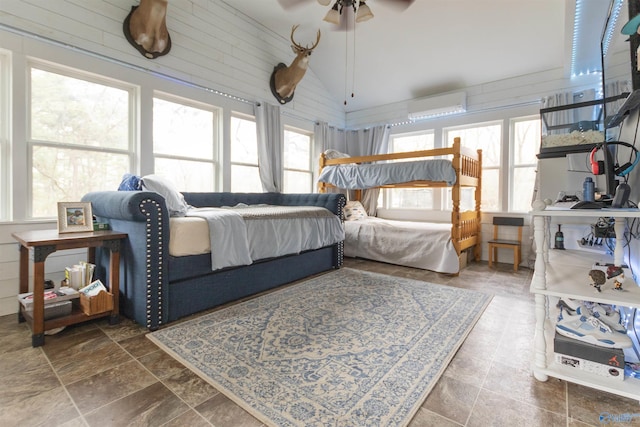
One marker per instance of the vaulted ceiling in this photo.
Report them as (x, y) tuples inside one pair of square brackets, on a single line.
[(434, 46)]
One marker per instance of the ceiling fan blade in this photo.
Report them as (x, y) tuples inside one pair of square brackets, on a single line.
[(290, 4), (398, 4)]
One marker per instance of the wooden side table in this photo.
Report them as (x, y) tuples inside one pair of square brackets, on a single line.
[(46, 242)]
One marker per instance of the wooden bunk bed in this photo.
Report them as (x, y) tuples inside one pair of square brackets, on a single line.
[(467, 167)]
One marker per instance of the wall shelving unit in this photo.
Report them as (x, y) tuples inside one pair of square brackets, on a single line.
[(564, 274)]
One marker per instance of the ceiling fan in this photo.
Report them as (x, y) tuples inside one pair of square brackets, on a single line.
[(359, 8)]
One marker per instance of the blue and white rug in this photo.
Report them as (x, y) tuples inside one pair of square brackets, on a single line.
[(348, 348)]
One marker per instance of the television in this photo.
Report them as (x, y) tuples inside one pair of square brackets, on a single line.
[(617, 55)]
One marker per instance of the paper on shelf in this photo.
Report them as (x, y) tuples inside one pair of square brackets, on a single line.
[(93, 289)]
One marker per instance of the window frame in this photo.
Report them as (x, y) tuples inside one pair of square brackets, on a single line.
[(435, 195), (131, 147), (309, 170), (448, 141), (512, 166), (217, 131), (232, 163)]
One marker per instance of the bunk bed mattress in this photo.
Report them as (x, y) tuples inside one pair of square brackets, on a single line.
[(371, 175), (413, 244)]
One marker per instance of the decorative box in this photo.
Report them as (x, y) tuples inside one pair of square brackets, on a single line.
[(100, 303)]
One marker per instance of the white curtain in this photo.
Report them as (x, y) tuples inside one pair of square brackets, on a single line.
[(362, 142), (613, 89), (270, 146)]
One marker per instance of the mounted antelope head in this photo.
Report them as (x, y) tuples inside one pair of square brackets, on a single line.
[(285, 79), (146, 29)]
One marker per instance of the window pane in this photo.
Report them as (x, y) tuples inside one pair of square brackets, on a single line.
[(524, 180), (187, 175), (244, 142), (490, 196), (488, 138), (74, 111), (467, 199), (66, 175), (181, 130), (297, 150), (422, 141), (297, 182), (245, 179), (526, 141), (410, 198)]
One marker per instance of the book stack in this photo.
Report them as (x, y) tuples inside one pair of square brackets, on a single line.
[(56, 303)]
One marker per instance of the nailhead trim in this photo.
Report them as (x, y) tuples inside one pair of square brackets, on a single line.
[(153, 215)]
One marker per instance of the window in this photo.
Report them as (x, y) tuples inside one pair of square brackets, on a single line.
[(487, 137), (416, 198), (185, 143), (526, 143), (79, 136), (298, 176), (245, 176)]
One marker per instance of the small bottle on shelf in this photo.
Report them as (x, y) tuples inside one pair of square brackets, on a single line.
[(559, 239)]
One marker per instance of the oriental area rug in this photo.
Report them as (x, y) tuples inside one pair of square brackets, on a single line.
[(347, 348)]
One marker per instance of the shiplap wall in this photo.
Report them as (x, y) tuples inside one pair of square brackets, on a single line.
[(213, 45)]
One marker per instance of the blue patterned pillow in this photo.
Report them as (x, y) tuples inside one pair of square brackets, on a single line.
[(354, 211), (130, 183)]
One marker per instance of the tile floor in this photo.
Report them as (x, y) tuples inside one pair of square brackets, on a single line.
[(100, 375)]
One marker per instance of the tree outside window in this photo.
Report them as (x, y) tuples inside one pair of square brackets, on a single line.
[(298, 176), (245, 176), (185, 143), (410, 198), (487, 137), (79, 137)]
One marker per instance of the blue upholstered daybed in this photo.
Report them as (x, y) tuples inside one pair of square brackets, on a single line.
[(157, 288)]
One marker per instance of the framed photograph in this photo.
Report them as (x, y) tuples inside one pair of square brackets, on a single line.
[(74, 217)]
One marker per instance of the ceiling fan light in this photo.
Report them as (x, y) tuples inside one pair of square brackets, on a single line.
[(333, 16), (364, 12), (324, 2)]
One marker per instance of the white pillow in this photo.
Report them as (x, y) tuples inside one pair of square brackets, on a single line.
[(335, 154), (173, 198), (354, 211)]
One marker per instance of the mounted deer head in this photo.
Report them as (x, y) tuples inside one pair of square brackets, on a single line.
[(285, 79), (146, 29)]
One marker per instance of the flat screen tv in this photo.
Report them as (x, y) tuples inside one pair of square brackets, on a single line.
[(616, 55)]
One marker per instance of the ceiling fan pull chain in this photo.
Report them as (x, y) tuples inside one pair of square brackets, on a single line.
[(353, 69), (346, 66)]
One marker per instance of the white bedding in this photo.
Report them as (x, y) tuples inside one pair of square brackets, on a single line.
[(270, 231), (412, 244)]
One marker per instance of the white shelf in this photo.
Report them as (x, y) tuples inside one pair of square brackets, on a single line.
[(590, 213), (630, 387), (565, 274)]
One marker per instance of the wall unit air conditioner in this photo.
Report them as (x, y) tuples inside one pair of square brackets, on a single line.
[(440, 105)]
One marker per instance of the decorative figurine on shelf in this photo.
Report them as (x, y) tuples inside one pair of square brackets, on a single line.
[(598, 278), (617, 274)]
